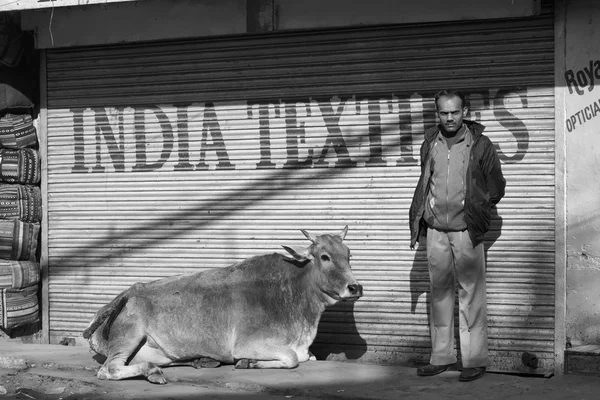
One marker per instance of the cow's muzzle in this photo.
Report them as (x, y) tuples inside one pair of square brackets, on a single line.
[(355, 291)]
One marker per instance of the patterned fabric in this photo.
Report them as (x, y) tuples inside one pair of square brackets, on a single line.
[(19, 307), (20, 166), (23, 202), (18, 274), (17, 131), (18, 240)]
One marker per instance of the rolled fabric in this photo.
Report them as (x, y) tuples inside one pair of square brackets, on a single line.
[(18, 240), (19, 307), (18, 274), (22, 202), (20, 166), (17, 130)]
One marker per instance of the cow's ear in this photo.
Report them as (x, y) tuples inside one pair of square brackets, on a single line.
[(342, 234), (299, 254)]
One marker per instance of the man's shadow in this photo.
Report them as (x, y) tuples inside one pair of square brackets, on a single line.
[(419, 289), (494, 233), (419, 277), (337, 337)]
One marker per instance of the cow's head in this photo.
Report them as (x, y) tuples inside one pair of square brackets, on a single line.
[(331, 266)]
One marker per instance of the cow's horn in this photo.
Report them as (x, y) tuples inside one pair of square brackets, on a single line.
[(342, 234), (308, 235)]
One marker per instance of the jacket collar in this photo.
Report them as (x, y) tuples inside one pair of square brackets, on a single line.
[(475, 127)]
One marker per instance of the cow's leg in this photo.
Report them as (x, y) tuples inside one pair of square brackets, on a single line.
[(125, 339), (266, 357)]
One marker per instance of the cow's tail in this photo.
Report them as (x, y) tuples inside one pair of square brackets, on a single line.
[(108, 312)]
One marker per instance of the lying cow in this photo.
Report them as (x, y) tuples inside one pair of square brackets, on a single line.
[(259, 313)]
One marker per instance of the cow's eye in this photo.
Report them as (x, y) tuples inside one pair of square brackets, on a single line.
[(324, 257)]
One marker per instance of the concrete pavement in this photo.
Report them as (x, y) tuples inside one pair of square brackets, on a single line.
[(52, 372)]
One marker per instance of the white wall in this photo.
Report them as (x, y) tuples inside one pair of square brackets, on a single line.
[(581, 80)]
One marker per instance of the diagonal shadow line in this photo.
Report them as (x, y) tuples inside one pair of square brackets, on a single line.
[(265, 183)]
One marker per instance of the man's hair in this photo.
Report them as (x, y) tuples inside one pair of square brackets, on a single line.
[(450, 93)]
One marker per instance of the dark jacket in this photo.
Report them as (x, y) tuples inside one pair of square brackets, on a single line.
[(484, 185)]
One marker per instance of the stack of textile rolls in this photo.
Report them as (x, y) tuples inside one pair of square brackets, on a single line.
[(20, 217), (20, 193)]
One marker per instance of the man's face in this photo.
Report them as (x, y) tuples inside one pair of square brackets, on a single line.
[(451, 112)]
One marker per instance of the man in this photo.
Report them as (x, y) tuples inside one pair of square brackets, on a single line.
[(461, 180)]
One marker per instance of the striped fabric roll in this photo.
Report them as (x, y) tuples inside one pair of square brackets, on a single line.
[(20, 166), (18, 240), (23, 202), (19, 306), (18, 274), (17, 131)]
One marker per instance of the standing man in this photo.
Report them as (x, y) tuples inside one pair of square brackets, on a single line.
[(461, 180)]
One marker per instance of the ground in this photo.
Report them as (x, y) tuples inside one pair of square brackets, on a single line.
[(54, 372)]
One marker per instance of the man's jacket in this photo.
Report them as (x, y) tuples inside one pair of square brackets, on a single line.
[(484, 185)]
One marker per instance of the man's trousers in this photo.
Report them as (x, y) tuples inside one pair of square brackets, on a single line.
[(451, 256)]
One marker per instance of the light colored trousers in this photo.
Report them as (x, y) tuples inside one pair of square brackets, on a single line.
[(451, 256)]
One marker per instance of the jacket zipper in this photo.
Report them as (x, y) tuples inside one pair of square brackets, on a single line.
[(447, 190)]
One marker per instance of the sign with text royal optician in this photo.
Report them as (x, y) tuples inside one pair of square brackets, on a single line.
[(583, 100)]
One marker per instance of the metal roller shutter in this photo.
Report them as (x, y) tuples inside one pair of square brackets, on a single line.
[(167, 158)]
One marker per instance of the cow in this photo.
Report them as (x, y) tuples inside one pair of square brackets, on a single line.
[(262, 312)]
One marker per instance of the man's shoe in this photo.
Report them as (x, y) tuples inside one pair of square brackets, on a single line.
[(470, 374), (430, 370)]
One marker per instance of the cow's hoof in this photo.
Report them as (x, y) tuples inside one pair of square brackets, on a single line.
[(245, 363), (101, 375), (157, 378)]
